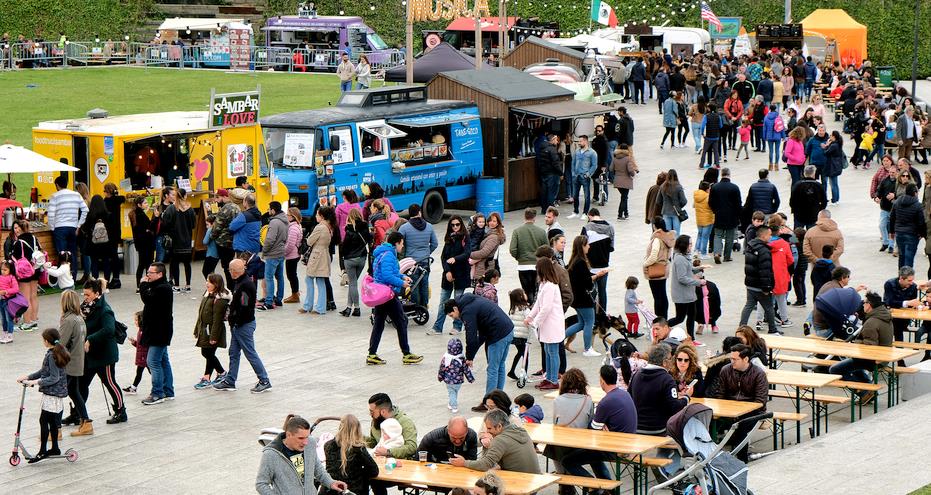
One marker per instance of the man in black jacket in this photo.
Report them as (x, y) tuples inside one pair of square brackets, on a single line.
[(550, 168), (807, 199), (763, 195), (637, 76), (724, 201), (242, 329), (758, 278), (158, 327), (485, 323), (625, 133), (655, 392), (908, 224), (456, 438)]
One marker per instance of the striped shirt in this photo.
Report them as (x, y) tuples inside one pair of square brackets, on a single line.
[(66, 208)]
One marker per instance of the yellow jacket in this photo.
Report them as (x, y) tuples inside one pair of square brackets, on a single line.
[(703, 214)]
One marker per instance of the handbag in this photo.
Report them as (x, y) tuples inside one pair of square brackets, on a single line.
[(17, 305), (655, 271), (373, 293), (682, 214), (344, 279)]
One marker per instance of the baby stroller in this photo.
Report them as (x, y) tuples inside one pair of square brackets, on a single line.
[(840, 307), (713, 470), (419, 313)]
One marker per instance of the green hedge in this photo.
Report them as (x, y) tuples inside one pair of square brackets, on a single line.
[(889, 21)]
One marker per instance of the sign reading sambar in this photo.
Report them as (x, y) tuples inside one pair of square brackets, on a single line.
[(234, 109)]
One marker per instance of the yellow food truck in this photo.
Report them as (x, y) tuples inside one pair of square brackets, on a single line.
[(198, 151)]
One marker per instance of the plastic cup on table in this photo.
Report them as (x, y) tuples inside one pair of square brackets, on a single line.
[(422, 456)]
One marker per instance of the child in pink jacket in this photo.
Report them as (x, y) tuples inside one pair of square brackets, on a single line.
[(9, 287), (549, 319)]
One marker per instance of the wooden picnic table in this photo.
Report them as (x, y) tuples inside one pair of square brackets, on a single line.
[(800, 381), (622, 444), (875, 353), (448, 476), (911, 314), (722, 408)]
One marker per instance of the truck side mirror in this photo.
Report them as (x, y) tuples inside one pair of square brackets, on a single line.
[(334, 143)]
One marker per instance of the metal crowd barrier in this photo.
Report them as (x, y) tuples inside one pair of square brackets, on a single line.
[(88, 53)]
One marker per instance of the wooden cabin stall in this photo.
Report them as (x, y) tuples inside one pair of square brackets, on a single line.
[(516, 108), (535, 50)]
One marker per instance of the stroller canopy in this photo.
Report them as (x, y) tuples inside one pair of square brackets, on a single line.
[(837, 306)]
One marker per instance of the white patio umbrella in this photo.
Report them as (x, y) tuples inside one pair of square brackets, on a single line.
[(19, 160)]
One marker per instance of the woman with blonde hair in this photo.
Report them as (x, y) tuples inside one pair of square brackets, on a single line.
[(291, 255), (347, 459), (73, 332)]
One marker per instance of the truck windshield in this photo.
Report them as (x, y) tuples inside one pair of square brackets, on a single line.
[(291, 147), (376, 42)]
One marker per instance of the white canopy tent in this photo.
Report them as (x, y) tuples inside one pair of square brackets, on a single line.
[(19, 160), (199, 24)]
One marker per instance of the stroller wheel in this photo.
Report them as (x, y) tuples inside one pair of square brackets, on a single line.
[(71, 455), (522, 382), (420, 315), (14, 459)]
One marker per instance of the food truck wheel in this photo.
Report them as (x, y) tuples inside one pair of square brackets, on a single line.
[(433, 206)]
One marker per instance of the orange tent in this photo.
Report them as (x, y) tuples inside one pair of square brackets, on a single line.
[(849, 34)]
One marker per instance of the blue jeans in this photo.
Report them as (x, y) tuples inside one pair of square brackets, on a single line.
[(160, 253), (453, 390), (908, 246), (853, 370), (66, 239), (552, 361), (586, 184), (242, 341), (312, 283), (879, 149), (835, 187), (696, 135), (445, 295), (6, 316), (160, 369), (345, 86), (274, 269), (550, 191), (672, 223), (775, 147), (421, 293), (497, 355), (704, 238), (795, 172), (884, 228), (586, 323), (574, 460), (808, 86)]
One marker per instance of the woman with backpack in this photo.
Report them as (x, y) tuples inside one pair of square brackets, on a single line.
[(774, 132), (114, 201), (98, 236), (23, 248)]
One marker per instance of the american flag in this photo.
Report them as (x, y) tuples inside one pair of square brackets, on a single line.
[(708, 15)]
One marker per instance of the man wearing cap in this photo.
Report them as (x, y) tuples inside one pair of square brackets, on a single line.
[(221, 232)]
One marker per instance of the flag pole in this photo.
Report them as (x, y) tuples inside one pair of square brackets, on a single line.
[(591, 8)]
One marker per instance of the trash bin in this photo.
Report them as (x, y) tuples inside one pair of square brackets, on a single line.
[(885, 74), (130, 257), (489, 195)]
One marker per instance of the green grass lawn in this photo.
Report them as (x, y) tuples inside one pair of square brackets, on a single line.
[(32, 96), (922, 491)]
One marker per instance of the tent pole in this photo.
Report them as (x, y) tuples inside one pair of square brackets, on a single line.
[(915, 48), (409, 48)]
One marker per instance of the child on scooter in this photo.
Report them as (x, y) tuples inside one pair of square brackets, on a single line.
[(9, 287), (520, 308), (53, 384)]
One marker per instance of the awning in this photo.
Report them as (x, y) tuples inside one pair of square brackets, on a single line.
[(431, 120), (195, 23), (18, 160), (568, 109)]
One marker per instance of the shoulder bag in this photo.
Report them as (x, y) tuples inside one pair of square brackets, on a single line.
[(373, 293)]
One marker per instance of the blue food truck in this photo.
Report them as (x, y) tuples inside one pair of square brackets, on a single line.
[(421, 151)]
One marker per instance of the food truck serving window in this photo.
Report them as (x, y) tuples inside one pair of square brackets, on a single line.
[(291, 147), (422, 145), (373, 138), (168, 157)]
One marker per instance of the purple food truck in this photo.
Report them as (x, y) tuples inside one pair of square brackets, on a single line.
[(316, 42)]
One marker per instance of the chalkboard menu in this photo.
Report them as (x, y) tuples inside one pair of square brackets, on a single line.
[(358, 41)]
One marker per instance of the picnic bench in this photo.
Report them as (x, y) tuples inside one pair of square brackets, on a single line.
[(436, 475)]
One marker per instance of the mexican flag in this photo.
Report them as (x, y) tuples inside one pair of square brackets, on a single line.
[(602, 13)]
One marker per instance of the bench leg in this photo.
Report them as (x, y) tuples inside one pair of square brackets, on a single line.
[(798, 410), (775, 432)]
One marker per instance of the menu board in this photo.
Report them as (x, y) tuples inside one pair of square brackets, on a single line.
[(239, 49), (358, 39)]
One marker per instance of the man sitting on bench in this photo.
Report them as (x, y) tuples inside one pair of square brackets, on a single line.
[(876, 330), (742, 381)]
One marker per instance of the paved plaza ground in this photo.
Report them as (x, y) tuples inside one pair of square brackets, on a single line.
[(205, 441)]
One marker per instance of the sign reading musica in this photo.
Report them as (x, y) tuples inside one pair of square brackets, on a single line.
[(434, 10)]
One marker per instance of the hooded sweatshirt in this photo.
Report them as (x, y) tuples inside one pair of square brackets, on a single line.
[(877, 329), (600, 243), (512, 450), (283, 470), (419, 239), (385, 268), (276, 239), (656, 396), (453, 369)]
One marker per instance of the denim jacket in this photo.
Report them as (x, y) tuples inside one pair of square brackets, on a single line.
[(584, 163)]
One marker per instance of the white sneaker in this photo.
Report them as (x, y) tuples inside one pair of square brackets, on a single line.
[(455, 410), (574, 215), (591, 353)]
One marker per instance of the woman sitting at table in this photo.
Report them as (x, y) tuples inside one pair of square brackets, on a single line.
[(573, 408), (498, 399), (685, 369), (749, 337)]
